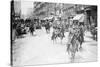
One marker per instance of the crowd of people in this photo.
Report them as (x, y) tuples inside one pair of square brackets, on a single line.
[(76, 30), (76, 35), (20, 27)]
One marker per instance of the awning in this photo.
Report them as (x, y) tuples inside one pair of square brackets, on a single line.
[(79, 17)]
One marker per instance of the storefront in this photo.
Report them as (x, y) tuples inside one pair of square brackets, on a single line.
[(91, 13)]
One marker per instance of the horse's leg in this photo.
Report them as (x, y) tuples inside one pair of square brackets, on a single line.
[(74, 49), (61, 40), (73, 55), (52, 38), (48, 30), (31, 32), (80, 41), (60, 36), (79, 45), (76, 46), (96, 36), (93, 37), (68, 47), (56, 38)]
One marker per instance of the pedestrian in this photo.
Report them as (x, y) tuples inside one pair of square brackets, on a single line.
[(32, 29)]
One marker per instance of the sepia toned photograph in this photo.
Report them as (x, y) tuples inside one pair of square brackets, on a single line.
[(45, 33)]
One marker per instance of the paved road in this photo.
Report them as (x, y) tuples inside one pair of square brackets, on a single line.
[(39, 49)]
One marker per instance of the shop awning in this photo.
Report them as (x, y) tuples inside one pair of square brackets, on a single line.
[(79, 17)]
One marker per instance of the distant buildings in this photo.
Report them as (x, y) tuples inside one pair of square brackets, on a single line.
[(24, 9)]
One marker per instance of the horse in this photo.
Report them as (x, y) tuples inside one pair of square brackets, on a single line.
[(80, 37), (47, 27), (72, 46), (57, 33)]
